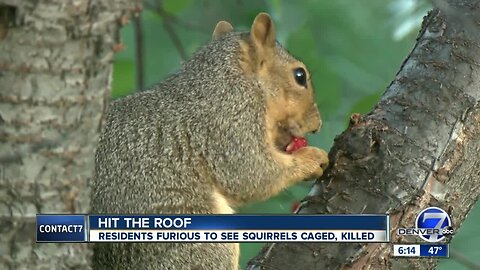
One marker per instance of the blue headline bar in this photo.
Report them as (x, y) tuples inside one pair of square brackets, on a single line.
[(239, 222)]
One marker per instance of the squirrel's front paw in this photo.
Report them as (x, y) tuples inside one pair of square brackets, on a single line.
[(311, 161)]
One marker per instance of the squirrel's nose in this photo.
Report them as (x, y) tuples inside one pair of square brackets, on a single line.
[(318, 126)]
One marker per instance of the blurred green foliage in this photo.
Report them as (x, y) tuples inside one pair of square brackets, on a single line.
[(352, 48)]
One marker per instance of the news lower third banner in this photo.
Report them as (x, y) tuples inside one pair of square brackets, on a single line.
[(212, 228)]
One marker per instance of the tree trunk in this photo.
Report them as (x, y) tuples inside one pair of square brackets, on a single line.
[(55, 72), (418, 147)]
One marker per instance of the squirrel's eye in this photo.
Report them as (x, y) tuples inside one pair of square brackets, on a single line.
[(300, 76)]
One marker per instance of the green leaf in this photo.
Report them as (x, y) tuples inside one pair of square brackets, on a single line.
[(123, 78), (176, 6), (365, 104), (248, 251)]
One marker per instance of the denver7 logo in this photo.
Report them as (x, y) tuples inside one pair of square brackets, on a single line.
[(437, 220)]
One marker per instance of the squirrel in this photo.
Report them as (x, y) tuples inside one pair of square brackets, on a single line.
[(206, 139)]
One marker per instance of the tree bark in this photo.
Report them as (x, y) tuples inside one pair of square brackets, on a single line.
[(418, 147), (55, 72)]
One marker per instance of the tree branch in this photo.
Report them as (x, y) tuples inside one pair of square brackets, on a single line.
[(418, 147), (167, 25), (168, 21)]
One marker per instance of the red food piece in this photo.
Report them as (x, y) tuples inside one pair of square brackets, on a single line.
[(295, 144), (295, 206)]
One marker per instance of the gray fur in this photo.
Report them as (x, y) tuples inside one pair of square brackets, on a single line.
[(163, 151)]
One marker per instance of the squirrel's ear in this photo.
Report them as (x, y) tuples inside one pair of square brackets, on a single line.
[(221, 29), (263, 30)]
